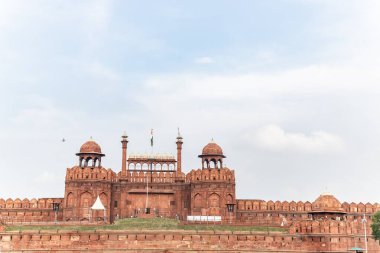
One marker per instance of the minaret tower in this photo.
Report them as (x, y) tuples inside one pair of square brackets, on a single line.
[(124, 142), (179, 153)]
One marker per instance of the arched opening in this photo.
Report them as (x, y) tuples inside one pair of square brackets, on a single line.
[(138, 166), (96, 162), (88, 162), (212, 164), (171, 166), (205, 164), (198, 201), (220, 164), (229, 199), (214, 200), (103, 198), (145, 166), (214, 204), (70, 200), (85, 204)]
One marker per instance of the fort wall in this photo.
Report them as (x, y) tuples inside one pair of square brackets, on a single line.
[(34, 210), (260, 212), (179, 241)]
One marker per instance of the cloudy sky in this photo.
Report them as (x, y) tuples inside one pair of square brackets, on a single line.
[(290, 89)]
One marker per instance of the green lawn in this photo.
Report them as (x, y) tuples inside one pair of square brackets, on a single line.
[(145, 224)]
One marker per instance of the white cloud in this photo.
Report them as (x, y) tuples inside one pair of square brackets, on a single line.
[(223, 104), (45, 177), (274, 138), (99, 71), (9, 10), (314, 79), (204, 60)]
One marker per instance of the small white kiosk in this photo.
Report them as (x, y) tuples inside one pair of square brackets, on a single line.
[(99, 206)]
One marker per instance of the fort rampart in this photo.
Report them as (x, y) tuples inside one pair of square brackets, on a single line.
[(179, 241)]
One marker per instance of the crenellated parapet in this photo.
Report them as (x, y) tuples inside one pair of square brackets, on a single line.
[(300, 206), (257, 205), (360, 207), (134, 176), (34, 210), (89, 173), (329, 227), (42, 203), (207, 175)]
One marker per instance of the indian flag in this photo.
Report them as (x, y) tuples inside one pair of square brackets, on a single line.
[(151, 138)]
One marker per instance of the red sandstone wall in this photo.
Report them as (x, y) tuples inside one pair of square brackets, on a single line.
[(34, 210), (257, 204), (173, 241), (260, 212)]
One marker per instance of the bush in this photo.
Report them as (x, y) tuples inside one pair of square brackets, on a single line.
[(376, 226)]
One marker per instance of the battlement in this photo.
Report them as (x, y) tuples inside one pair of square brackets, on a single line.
[(181, 241), (329, 227), (88, 173), (204, 175), (42, 203), (257, 205), (34, 210), (134, 176), (158, 157)]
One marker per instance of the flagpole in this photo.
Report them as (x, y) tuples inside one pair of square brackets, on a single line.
[(365, 233), (147, 179), (147, 190)]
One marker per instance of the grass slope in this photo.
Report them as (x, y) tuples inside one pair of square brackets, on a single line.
[(145, 224)]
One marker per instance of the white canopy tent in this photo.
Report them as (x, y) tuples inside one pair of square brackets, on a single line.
[(99, 206)]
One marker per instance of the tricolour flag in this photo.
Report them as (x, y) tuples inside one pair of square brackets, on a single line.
[(151, 138)]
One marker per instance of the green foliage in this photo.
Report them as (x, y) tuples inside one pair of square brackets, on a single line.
[(146, 224), (376, 226)]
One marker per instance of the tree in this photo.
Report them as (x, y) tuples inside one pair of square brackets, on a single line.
[(376, 226)]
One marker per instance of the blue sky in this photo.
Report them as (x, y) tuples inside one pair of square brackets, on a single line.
[(289, 89)]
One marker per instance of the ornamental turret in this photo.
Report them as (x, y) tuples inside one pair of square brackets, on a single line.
[(212, 156), (90, 154)]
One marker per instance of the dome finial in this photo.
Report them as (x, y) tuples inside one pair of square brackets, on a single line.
[(179, 137)]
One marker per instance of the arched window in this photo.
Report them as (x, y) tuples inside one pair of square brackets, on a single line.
[(212, 164), (103, 199), (81, 162), (86, 200), (198, 201), (96, 162), (70, 200), (88, 162), (214, 200), (229, 198)]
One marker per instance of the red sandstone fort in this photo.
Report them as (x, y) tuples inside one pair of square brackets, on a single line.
[(156, 186)]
